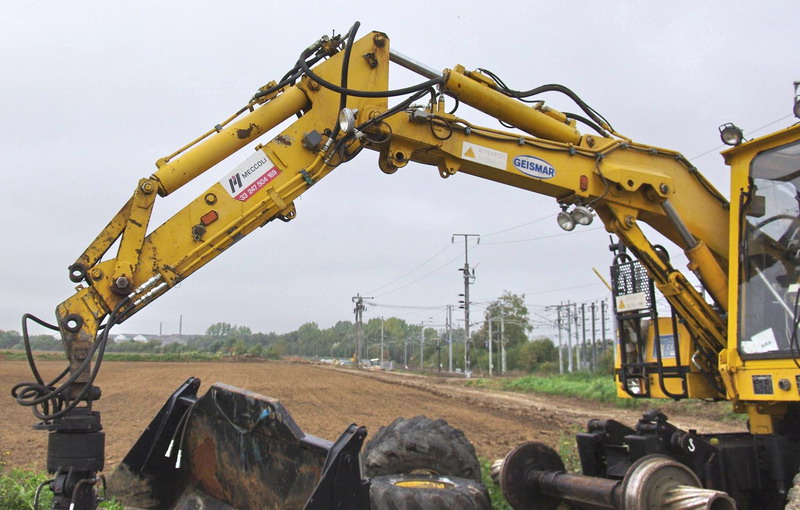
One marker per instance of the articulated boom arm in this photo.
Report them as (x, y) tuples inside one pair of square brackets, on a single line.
[(624, 182)]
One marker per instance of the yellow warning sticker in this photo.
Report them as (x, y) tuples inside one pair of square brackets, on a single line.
[(484, 155)]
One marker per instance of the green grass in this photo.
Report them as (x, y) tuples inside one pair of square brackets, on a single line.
[(602, 388), (166, 357), (496, 496), (6, 355), (585, 385), (120, 356), (568, 450), (18, 489)]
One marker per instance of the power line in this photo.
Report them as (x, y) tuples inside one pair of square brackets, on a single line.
[(406, 307), (518, 226), (411, 271), (542, 237), (566, 288), (421, 277)]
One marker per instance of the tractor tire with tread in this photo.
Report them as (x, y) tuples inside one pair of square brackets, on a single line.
[(420, 445), (427, 492)]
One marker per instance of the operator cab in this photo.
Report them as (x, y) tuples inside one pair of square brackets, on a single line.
[(770, 255)]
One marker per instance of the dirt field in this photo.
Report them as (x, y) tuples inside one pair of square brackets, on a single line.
[(322, 400)]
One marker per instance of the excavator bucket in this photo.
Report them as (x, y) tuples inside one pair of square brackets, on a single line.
[(234, 449)]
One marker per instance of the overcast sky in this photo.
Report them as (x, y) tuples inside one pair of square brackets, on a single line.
[(93, 93)]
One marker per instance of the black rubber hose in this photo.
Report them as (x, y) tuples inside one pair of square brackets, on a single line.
[(28, 388), (586, 121), (345, 71), (27, 344), (303, 65)]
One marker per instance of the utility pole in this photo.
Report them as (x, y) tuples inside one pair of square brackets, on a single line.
[(503, 343), (421, 345), (359, 312), (577, 340), (469, 279), (560, 325), (560, 345), (603, 323), (449, 327), (490, 346), (594, 336), (569, 337), (405, 353), (381, 342), (586, 357)]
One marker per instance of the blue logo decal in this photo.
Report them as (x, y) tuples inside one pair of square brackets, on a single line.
[(534, 167)]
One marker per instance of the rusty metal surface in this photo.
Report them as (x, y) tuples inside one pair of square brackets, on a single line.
[(245, 450), (237, 450), (516, 480)]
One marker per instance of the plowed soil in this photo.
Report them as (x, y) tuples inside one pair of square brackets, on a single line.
[(321, 399)]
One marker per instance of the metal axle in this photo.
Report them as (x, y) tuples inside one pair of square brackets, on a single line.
[(532, 476)]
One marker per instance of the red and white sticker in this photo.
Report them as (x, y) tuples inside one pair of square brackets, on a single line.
[(250, 176)]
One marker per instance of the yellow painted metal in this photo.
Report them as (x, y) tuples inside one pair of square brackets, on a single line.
[(208, 153), (107, 237), (176, 249), (134, 233), (422, 483), (479, 95), (619, 172), (699, 382), (714, 279)]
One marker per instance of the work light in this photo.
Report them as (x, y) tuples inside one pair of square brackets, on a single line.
[(730, 134)]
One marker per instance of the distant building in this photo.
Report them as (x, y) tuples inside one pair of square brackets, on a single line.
[(140, 338), (120, 338)]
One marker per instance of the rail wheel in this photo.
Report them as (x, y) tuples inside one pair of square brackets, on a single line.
[(420, 445), (427, 492)]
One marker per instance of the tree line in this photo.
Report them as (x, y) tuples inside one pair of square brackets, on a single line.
[(414, 346)]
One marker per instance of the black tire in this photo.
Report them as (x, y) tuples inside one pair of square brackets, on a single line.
[(427, 492), (420, 445)]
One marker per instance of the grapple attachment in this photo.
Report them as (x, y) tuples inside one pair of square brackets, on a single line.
[(233, 449)]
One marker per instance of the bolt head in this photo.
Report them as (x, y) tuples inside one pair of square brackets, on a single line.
[(122, 282)]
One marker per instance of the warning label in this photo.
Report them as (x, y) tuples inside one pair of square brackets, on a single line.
[(250, 176), (484, 155), (631, 302)]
